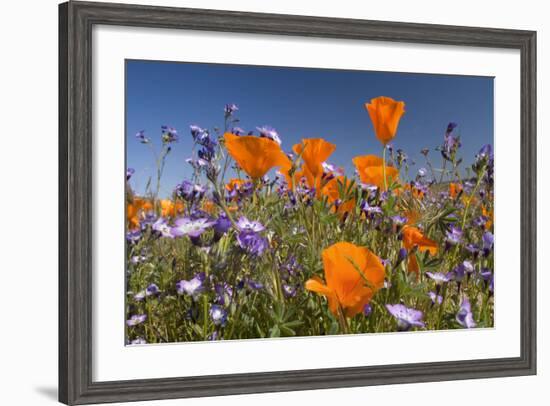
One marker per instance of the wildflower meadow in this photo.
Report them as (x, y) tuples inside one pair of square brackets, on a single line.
[(264, 241)]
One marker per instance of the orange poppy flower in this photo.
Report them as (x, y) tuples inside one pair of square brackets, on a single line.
[(489, 214), (137, 206), (234, 184), (454, 189), (371, 170), (412, 237), (385, 114), (415, 192), (208, 206), (170, 209), (314, 151), (332, 191), (255, 155), (412, 216), (353, 275)]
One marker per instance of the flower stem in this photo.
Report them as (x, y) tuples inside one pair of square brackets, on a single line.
[(384, 168), (344, 327)]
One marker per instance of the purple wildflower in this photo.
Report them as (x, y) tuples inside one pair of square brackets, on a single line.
[(238, 131), (269, 132), (133, 236), (468, 266), (191, 227), (255, 285), (140, 135), (229, 109), (330, 168), (246, 225), (289, 290), (406, 317), (464, 317), (367, 310), (222, 224), (454, 235), (138, 341), (196, 131), (223, 293), (197, 164), (136, 319), (399, 220), (435, 298), (401, 255), (152, 289), (488, 240), (218, 315), (129, 173), (169, 134), (161, 226), (193, 287), (370, 209), (252, 243), (439, 277)]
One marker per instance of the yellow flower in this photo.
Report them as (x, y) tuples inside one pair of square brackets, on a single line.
[(385, 114), (353, 275)]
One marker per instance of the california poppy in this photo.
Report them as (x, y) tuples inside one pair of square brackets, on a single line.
[(385, 114), (208, 206), (454, 189), (415, 192), (314, 151), (489, 215), (170, 209), (412, 237), (234, 184), (371, 171), (353, 275), (255, 155), (332, 191), (134, 209)]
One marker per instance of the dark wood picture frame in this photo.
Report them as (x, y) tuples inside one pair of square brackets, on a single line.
[(76, 20)]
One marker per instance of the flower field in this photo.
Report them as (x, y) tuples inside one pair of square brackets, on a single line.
[(263, 241)]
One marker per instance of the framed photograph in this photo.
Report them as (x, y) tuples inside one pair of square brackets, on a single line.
[(259, 202)]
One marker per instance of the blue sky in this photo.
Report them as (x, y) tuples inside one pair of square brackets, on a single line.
[(298, 103)]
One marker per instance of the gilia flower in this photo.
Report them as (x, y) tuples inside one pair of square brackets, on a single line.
[(371, 171), (406, 317), (412, 237), (465, 317), (353, 275), (314, 151), (255, 155), (385, 114)]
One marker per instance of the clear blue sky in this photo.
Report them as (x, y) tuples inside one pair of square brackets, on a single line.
[(298, 103)]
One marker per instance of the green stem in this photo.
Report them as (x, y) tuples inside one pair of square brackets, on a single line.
[(205, 317), (344, 327), (384, 168)]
